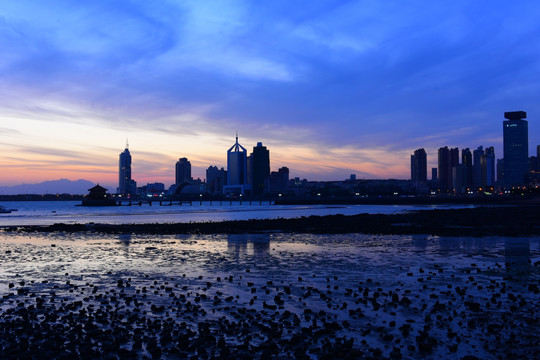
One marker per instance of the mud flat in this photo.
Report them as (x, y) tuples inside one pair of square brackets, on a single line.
[(268, 296), (482, 221)]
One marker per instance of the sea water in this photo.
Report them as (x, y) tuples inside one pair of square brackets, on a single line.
[(50, 212)]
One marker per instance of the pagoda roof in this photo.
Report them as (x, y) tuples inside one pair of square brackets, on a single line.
[(97, 188)]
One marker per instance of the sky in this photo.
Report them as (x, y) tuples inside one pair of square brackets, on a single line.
[(332, 88)]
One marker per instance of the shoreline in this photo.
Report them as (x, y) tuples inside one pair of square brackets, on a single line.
[(509, 220)]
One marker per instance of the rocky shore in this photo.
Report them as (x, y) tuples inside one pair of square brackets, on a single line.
[(268, 296), (480, 221)]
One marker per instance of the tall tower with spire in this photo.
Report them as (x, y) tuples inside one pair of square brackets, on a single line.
[(125, 184), (237, 164)]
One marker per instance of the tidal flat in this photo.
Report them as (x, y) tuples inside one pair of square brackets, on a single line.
[(268, 296)]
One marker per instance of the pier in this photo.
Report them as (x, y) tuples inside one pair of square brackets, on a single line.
[(163, 202)]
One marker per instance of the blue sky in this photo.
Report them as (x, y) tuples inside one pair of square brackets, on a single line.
[(331, 87)]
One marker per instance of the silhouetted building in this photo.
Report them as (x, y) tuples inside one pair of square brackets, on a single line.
[(236, 169), (489, 159), (98, 196), (183, 171), (151, 189), (516, 148), (419, 168), (126, 186), (459, 178), (260, 168), (215, 179), (532, 163), (434, 178), (500, 170), (454, 161), (538, 157), (477, 167), (279, 180), (444, 168), (447, 159), (466, 160)]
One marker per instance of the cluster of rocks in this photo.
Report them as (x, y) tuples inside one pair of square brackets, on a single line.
[(239, 317)]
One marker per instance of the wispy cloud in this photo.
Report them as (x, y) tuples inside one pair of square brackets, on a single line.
[(368, 80)]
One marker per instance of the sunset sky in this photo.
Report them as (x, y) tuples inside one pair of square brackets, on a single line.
[(330, 87)]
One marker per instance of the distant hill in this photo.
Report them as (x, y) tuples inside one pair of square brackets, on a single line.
[(62, 186)]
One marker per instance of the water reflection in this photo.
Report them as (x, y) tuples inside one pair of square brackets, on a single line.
[(517, 257), (240, 245), (124, 239), (419, 241), (261, 244), (450, 243)]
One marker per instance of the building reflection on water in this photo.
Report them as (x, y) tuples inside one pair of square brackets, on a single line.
[(125, 240), (257, 245), (517, 255), (516, 250), (419, 241)]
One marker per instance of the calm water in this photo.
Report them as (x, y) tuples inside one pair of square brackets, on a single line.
[(50, 212)]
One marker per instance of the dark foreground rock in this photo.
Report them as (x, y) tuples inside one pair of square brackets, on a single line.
[(480, 221)]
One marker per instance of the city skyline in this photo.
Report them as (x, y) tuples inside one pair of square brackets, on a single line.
[(332, 89)]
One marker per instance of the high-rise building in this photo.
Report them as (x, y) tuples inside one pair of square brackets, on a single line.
[(126, 186), (489, 157), (538, 157), (215, 179), (183, 171), (532, 163), (444, 173), (466, 160), (447, 159), (279, 180), (478, 154), (454, 162), (500, 170), (260, 168), (516, 147), (459, 178), (419, 168), (236, 169)]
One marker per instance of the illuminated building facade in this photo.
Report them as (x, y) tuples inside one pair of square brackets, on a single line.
[(516, 148)]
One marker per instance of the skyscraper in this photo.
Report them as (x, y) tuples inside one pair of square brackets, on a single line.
[(444, 173), (125, 184), (477, 167), (538, 157), (236, 168), (454, 162), (260, 168), (466, 160), (447, 159), (516, 147), (183, 171), (490, 166), (419, 168), (215, 179)]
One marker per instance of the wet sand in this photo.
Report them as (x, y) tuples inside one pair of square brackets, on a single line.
[(268, 296)]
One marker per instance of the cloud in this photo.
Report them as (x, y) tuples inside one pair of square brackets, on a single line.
[(367, 80)]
